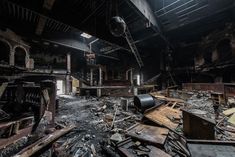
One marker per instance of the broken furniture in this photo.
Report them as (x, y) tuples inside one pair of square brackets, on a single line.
[(149, 134), (196, 126), (25, 104)]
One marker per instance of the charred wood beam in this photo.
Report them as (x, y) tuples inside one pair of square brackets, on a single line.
[(44, 142)]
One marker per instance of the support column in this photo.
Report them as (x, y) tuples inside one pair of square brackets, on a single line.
[(141, 78), (91, 77), (100, 76), (12, 57), (68, 84), (131, 76), (69, 63), (100, 82)]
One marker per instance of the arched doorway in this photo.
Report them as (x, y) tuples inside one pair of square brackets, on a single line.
[(5, 52), (20, 56)]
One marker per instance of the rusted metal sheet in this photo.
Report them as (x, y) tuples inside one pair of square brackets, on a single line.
[(128, 148), (150, 134), (165, 116), (207, 148), (197, 127)]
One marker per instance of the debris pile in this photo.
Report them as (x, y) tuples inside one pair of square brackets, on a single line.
[(97, 121), (113, 126)]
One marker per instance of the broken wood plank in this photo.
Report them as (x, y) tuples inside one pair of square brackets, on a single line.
[(43, 142), (160, 116), (228, 112), (161, 97), (150, 134), (125, 148), (232, 119), (2, 88)]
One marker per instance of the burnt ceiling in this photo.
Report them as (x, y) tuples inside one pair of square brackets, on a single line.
[(178, 21)]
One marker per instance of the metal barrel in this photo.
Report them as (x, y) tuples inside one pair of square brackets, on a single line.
[(144, 102)]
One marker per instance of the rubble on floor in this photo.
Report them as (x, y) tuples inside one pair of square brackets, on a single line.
[(129, 133), (178, 125), (96, 120)]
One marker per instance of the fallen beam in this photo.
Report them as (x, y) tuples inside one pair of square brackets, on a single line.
[(43, 142)]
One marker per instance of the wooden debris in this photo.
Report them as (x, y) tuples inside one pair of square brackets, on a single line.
[(108, 118), (161, 97), (198, 127), (232, 119), (116, 109), (93, 149), (128, 148), (123, 119), (2, 88), (109, 152), (160, 116), (228, 112), (42, 143), (150, 134)]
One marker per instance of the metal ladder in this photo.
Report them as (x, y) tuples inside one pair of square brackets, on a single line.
[(133, 47)]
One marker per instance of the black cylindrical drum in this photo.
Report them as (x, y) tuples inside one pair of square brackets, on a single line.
[(144, 102)]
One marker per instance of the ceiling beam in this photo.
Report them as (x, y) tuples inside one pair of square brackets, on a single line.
[(143, 7), (47, 6), (77, 45)]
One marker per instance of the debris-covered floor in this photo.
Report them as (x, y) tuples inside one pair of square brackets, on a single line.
[(179, 124), (97, 121)]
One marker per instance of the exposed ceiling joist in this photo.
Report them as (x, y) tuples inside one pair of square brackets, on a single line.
[(47, 5), (143, 7), (77, 46)]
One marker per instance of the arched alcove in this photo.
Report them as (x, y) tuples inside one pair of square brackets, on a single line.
[(20, 56), (5, 52)]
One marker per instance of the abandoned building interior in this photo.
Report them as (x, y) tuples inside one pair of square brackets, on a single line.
[(117, 78)]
